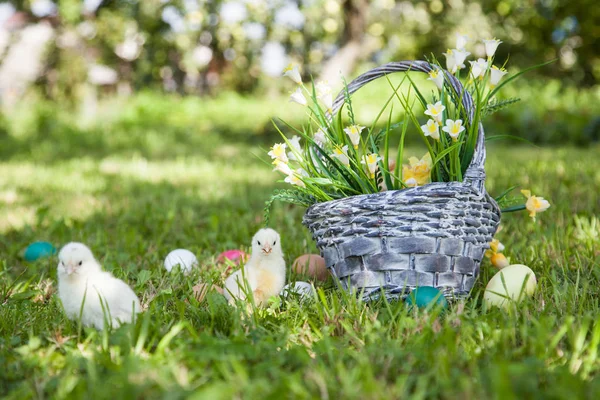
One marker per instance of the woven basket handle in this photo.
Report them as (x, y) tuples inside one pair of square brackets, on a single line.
[(475, 174)]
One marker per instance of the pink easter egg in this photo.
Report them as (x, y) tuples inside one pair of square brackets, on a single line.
[(235, 256)]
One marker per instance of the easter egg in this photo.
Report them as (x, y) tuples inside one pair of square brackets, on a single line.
[(185, 259), (519, 281), (38, 250), (201, 289), (235, 256), (304, 289), (426, 296), (312, 265)]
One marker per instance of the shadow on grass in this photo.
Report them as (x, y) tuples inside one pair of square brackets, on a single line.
[(154, 218)]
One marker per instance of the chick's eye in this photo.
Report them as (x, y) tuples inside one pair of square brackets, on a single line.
[(275, 242), (80, 262), (258, 241)]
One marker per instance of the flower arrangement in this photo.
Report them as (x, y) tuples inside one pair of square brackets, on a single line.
[(330, 158)]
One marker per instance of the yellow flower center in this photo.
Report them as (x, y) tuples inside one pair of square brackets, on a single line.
[(537, 204), (278, 150), (456, 128), (433, 74)]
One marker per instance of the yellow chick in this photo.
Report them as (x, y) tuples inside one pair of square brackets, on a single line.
[(263, 275)]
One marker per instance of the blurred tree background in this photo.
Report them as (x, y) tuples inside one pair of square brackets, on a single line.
[(75, 53)]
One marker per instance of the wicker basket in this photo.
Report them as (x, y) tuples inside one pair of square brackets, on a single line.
[(391, 242)]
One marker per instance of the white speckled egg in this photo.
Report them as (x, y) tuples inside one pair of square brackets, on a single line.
[(498, 293)]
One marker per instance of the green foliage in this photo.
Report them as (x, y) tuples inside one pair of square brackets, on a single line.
[(496, 105), (169, 60), (206, 192)]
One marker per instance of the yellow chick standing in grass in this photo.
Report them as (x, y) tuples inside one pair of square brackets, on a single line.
[(263, 275)]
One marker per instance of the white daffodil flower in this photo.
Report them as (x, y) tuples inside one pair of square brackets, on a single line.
[(353, 132), (295, 147), (292, 72), (450, 61), (478, 68), (320, 137), (435, 111), (294, 179), (298, 97), (371, 161), (496, 74), (282, 167), (324, 94), (342, 155), (459, 57), (437, 77), (461, 41), (453, 128), (278, 152), (491, 45), (431, 128)]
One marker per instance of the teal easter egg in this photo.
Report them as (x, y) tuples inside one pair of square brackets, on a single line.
[(37, 250), (426, 296)]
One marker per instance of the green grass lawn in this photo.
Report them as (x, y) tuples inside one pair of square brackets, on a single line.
[(132, 208)]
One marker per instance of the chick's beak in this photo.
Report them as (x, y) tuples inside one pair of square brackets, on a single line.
[(266, 249), (70, 268)]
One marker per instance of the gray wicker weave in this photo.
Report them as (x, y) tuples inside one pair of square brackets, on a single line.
[(393, 241)]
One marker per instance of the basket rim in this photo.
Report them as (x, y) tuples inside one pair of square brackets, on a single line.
[(405, 190)]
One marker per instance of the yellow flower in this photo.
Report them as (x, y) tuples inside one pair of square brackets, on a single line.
[(435, 111), (418, 172), (494, 254), (292, 72), (496, 246), (371, 162), (535, 204), (353, 132), (499, 261), (278, 152)]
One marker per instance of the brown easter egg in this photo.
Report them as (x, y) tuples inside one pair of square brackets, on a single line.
[(201, 289), (312, 265)]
